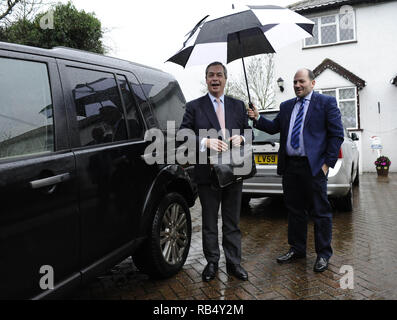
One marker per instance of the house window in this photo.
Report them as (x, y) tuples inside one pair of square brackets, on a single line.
[(347, 102), (332, 29)]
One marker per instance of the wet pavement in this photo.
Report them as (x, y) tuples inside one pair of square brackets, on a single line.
[(364, 243)]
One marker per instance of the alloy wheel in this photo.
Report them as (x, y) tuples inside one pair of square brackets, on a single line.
[(173, 234)]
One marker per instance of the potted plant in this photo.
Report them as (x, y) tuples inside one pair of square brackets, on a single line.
[(382, 165)]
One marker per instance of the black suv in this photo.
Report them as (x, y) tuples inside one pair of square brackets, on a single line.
[(76, 193)]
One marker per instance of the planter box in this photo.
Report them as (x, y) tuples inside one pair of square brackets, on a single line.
[(382, 171)]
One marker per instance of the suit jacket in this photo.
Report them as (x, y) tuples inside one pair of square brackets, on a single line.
[(200, 114), (322, 131)]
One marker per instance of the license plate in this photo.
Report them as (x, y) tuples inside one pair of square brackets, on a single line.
[(266, 159)]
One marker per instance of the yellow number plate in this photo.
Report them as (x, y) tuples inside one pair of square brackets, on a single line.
[(266, 159)]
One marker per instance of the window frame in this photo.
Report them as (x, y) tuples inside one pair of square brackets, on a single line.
[(338, 100), (337, 23), (136, 105)]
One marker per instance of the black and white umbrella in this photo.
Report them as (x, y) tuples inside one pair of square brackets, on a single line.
[(243, 32)]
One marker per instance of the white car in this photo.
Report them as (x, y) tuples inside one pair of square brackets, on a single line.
[(267, 183)]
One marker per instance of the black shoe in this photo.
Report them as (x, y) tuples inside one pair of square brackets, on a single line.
[(290, 256), (320, 265), (237, 271), (209, 271)]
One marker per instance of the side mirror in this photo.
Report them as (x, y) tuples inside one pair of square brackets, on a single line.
[(354, 136)]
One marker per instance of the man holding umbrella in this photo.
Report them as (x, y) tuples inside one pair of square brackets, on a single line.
[(224, 114), (311, 134), (243, 32)]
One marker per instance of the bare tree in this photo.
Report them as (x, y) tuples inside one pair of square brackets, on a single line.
[(14, 10), (260, 74), (6, 7)]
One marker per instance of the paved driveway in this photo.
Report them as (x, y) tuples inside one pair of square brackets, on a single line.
[(365, 241)]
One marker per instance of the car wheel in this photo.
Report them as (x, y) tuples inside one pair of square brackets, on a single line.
[(345, 203), (167, 248)]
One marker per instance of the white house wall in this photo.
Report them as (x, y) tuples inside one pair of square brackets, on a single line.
[(329, 79), (373, 58)]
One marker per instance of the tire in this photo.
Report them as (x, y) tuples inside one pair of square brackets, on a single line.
[(345, 203), (164, 253)]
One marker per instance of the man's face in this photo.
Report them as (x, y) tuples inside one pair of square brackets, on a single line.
[(302, 83), (216, 80)]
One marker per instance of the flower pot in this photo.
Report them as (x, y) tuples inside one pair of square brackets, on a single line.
[(382, 171)]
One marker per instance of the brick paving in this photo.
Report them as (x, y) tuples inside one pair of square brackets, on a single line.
[(365, 239)]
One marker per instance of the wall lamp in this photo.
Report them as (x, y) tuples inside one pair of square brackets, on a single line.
[(280, 83), (394, 81)]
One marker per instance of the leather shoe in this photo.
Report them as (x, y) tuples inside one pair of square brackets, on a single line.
[(290, 256), (237, 271), (209, 271), (320, 265)]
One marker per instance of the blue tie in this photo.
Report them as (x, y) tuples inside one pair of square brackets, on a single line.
[(297, 126)]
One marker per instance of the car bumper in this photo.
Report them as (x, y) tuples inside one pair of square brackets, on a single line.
[(267, 183)]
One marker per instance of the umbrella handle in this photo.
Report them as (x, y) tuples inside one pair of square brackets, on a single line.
[(245, 72), (248, 90)]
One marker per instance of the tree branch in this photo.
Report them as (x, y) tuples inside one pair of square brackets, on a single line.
[(10, 5)]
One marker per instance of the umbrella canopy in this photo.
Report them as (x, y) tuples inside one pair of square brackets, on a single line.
[(244, 32)]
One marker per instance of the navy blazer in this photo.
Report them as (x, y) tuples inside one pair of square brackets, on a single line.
[(322, 131), (200, 114)]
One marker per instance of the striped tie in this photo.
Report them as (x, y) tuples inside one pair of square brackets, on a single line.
[(297, 126)]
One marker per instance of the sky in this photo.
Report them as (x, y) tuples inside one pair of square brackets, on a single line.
[(151, 31)]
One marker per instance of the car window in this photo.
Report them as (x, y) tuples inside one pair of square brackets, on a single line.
[(26, 114), (98, 105), (165, 97), (133, 119), (261, 136)]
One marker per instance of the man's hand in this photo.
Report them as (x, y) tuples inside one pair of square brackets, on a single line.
[(325, 169), (236, 140), (253, 114), (216, 145)]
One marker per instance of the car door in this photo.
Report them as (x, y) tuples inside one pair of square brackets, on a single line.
[(108, 144), (39, 222)]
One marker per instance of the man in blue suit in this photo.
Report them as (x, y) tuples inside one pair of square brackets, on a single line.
[(311, 134), (224, 114)]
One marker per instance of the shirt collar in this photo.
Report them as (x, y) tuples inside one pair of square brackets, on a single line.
[(308, 97), (222, 97)]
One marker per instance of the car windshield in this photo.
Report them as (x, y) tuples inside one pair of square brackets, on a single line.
[(261, 136)]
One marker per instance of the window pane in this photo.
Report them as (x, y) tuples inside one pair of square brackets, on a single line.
[(328, 34), (133, 120), (165, 97), (26, 120), (328, 19), (331, 93), (346, 26), (313, 40), (348, 110), (347, 93), (98, 106)]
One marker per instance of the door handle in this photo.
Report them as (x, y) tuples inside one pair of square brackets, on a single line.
[(50, 181)]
